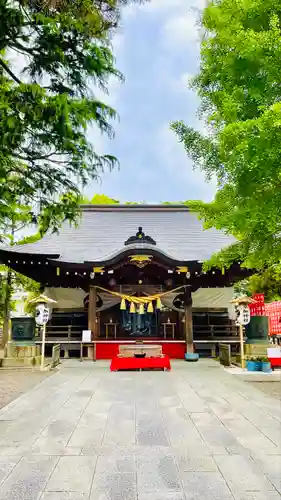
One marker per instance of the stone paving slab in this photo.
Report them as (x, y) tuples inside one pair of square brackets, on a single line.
[(73, 473), (119, 486), (207, 485), (28, 478), (243, 474), (66, 495), (192, 434), (7, 464)]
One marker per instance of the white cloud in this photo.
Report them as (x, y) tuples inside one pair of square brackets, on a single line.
[(157, 7), (180, 85), (180, 30), (176, 163), (184, 81), (118, 43), (152, 160), (164, 5)]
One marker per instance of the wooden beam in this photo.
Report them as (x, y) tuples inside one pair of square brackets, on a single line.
[(188, 325), (92, 311)]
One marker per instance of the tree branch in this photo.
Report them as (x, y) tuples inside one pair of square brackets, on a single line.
[(27, 50), (7, 69)]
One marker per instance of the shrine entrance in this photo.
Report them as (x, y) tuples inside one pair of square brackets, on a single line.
[(132, 273)]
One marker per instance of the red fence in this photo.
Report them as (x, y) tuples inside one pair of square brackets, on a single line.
[(272, 310)]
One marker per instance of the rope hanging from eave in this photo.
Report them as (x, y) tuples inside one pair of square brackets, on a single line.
[(140, 300)]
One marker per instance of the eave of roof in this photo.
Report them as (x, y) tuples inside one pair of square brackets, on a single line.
[(104, 229)]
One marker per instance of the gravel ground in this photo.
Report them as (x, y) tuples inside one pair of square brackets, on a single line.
[(273, 389), (15, 382)]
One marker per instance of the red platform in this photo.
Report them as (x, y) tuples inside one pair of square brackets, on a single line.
[(109, 349), (139, 363), (275, 362)]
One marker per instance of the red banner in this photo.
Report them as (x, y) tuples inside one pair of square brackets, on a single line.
[(272, 310), (258, 308)]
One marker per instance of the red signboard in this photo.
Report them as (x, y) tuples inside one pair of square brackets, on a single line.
[(258, 308), (273, 311)]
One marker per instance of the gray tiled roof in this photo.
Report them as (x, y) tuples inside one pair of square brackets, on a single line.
[(103, 230)]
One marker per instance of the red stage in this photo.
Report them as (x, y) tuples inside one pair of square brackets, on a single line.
[(140, 363), (275, 362), (109, 349)]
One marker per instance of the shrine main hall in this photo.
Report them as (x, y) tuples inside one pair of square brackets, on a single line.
[(131, 273)]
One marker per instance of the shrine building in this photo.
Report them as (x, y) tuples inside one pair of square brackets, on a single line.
[(129, 273)]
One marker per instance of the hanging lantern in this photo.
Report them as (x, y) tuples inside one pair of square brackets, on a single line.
[(223, 271), (123, 305), (158, 303), (150, 307), (132, 308), (141, 309), (58, 271)]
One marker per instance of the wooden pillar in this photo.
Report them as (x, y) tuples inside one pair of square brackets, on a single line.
[(188, 324), (92, 311), (92, 325), (178, 326)]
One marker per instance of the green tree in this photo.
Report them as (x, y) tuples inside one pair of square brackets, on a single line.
[(14, 221), (64, 49), (267, 282), (239, 88), (102, 199)]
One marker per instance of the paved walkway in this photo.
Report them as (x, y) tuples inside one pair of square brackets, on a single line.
[(195, 433)]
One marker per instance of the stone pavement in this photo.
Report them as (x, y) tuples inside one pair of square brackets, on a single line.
[(196, 433)]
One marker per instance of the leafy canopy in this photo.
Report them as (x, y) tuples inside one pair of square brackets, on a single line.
[(267, 282), (239, 88), (53, 55)]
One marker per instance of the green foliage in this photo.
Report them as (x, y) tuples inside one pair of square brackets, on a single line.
[(102, 199), (267, 282), (239, 88), (14, 221), (4, 293), (45, 109), (11, 282), (30, 239)]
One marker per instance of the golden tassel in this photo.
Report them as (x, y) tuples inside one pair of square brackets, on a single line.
[(132, 308), (123, 305), (141, 309), (150, 307), (158, 303)]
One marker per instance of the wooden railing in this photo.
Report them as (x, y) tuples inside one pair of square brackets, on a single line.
[(70, 333), (63, 333), (211, 331)]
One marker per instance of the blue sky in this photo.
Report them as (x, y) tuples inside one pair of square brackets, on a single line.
[(157, 50)]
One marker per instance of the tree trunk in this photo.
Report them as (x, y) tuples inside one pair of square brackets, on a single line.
[(6, 312)]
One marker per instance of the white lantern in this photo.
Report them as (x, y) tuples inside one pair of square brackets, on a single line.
[(243, 314), (42, 315)]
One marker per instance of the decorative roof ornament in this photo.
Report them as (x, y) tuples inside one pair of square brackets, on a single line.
[(140, 237), (140, 260)]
